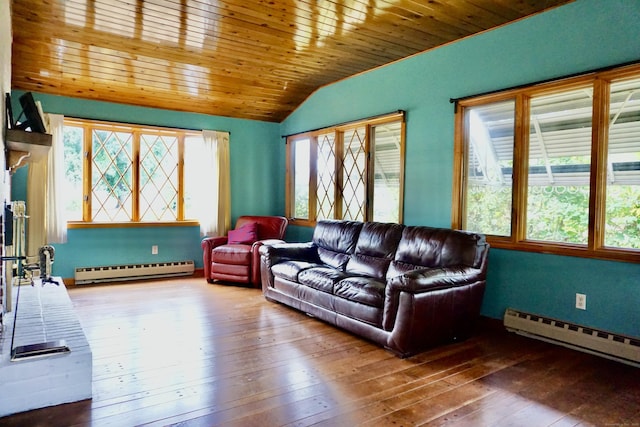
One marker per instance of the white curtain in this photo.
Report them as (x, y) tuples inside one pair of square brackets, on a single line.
[(36, 206), (208, 183), (45, 193), (56, 219)]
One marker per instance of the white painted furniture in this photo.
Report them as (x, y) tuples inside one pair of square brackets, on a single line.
[(45, 313)]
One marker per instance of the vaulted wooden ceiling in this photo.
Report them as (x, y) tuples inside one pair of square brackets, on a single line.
[(255, 59)]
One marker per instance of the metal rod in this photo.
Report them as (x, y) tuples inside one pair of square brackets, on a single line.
[(346, 123)]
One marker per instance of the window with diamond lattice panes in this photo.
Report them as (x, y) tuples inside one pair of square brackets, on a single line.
[(130, 173), (111, 176), (351, 172), (158, 177), (326, 176), (354, 174)]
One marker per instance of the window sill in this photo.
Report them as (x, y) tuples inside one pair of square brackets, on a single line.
[(130, 224), (610, 254)]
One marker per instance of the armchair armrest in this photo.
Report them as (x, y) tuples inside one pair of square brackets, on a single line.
[(213, 242), (207, 244), (431, 279)]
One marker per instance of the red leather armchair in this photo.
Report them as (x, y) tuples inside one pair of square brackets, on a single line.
[(240, 262)]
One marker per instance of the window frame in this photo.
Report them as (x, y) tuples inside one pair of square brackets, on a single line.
[(595, 248), (338, 131), (136, 130)]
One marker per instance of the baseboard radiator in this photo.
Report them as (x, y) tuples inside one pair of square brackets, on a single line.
[(117, 273), (605, 344)]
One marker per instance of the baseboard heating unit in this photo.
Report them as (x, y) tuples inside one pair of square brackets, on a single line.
[(605, 344), (116, 273)]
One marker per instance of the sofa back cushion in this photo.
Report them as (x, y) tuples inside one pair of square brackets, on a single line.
[(436, 247), (336, 241), (375, 249)]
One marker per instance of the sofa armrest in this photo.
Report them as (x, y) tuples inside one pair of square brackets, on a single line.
[(259, 243), (273, 254), (431, 305), (431, 279)]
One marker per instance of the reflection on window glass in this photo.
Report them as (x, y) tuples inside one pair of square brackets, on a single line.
[(348, 172), (387, 172), (490, 132), (105, 16), (302, 151), (559, 167), (622, 227)]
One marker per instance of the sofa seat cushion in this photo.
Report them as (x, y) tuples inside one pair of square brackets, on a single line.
[(290, 269), (232, 254), (321, 278), (365, 290)]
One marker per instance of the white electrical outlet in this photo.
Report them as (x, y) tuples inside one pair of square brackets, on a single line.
[(154, 250), (581, 301)]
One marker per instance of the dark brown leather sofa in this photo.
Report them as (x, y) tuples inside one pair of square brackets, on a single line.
[(406, 288)]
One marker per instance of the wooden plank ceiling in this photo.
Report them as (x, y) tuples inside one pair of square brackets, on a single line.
[(255, 59)]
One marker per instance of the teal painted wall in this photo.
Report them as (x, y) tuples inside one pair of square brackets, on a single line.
[(257, 185), (577, 37)]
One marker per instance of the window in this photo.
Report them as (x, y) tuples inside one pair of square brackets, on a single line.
[(124, 173), (352, 172), (553, 167)]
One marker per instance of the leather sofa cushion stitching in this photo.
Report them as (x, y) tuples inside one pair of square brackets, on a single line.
[(290, 269)]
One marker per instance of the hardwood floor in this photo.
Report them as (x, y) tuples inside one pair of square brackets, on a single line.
[(183, 352)]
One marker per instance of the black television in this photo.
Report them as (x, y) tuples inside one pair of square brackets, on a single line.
[(33, 119)]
